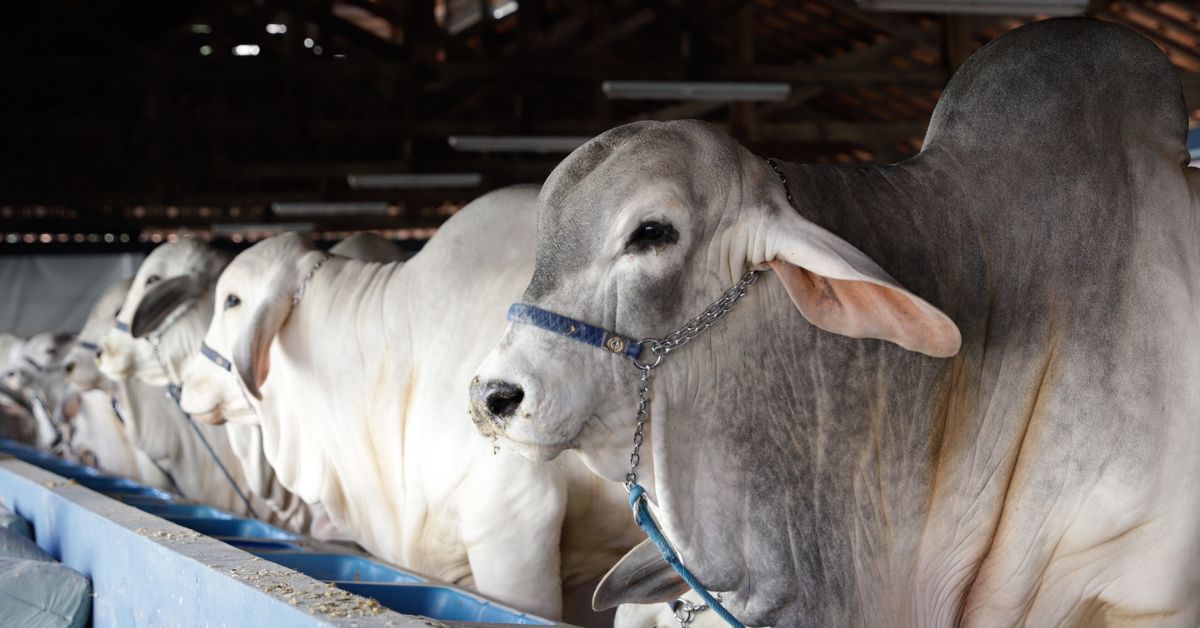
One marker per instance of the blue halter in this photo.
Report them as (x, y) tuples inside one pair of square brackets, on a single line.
[(598, 337), (625, 346), (214, 357)]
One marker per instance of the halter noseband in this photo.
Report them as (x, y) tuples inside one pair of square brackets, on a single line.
[(575, 330)]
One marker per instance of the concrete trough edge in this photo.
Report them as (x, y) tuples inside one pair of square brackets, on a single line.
[(147, 571)]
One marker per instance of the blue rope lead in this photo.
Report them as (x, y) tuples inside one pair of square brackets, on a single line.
[(641, 515)]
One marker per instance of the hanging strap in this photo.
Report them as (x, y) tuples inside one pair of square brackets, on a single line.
[(174, 392), (641, 514)]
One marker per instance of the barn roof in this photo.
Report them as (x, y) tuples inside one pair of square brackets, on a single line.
[(132, 123)]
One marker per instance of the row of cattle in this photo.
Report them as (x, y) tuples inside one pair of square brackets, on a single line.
[(327, 392), (958, 390)]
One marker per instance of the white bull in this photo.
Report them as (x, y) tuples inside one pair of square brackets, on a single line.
[(165, 313), (178, 445), (16, 415), (100, 434), (36, 377), (358, 372)]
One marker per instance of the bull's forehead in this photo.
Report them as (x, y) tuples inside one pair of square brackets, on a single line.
[(249, 270), (687, 166), (174, 258)]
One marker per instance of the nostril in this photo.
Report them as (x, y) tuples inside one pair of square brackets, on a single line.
[(70, 367), (503, 399)]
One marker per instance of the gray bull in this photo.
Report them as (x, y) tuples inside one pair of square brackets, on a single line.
[(1042, 475)]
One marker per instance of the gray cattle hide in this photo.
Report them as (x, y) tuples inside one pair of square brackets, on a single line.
[(1043, 475)]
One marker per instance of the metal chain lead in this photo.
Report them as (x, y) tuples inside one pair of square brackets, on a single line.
[(706, 319), (783, 178), (643, 402), (673, 341), (685, 334), (308, 278)]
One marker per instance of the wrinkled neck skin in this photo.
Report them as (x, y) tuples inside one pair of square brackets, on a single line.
[(338, 340), (796, 464), (103, 434), (286, 508), (824, 480), (384, 442), (156, 426), (150, 424)]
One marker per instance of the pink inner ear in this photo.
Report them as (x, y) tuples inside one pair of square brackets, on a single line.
[(262, 365), (860, 309), (72, 407)]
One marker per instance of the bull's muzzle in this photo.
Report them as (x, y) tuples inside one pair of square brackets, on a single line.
[(493, 403)]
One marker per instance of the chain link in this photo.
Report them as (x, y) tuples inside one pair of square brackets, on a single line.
[(307, 279), (706, 319), (673, 341), (685, 611), (685, 334), (782, 178), (643, 403)]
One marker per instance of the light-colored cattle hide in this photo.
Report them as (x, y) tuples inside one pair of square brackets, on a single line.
[(363, 406), (100, 432), (16, 417), (1042, 476), (171, 294), (36, 376), (10, 349), (369, 247)]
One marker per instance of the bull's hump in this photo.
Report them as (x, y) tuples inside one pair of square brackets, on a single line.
[(1078, 83)]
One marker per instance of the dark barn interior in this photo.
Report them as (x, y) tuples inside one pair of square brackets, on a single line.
[(128, 124)]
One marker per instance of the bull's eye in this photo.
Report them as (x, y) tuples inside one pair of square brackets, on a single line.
[(152, 279), (232, 301), (651, 234)]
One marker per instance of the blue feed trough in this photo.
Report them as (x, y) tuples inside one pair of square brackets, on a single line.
[(233, 527), (158, 560), (443, 602), (255, 545), (168, 510), (340, 567)]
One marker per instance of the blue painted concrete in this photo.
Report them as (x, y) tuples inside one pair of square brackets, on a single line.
[(149, 572), (198, 580)]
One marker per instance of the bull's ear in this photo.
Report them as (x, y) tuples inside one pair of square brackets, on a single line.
[(640, 577), (841, 290), (162, 299), (252, 353)]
